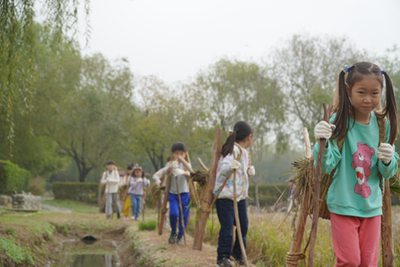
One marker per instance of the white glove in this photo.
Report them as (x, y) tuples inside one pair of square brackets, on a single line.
[(174, 165), (234, 165), (251, 171), (139, 180), (177, 172), (148, 181), (323, 130), (385, 152)]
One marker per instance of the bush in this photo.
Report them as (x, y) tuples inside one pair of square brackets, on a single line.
[(150, 225), (268, 194), (84, 192), (13, 178), (36, 190)]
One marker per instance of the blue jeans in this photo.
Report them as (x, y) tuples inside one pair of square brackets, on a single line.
[(226, 217), (174, 212), (136, 205)]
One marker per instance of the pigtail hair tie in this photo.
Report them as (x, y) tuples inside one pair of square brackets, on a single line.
[(346, 68), (384, 71)]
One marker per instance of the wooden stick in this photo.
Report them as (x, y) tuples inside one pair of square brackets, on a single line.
[(207, 194), (164, 207), (186, 164), (302, 220), (202, 164), (238, 227), (307, 142), (159, 211), (181, 210), (314, 226), (386, 229)]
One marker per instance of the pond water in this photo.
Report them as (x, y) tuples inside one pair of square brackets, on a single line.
[(75, 253)]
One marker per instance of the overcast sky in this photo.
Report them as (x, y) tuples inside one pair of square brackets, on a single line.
[(176, 38)]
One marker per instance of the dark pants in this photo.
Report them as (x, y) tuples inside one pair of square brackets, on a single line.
[(226, 218), (175, 213)]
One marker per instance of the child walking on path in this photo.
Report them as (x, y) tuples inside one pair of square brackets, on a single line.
[(125, 199), (178, 173), (354, 197), (235, 158), (111, 180), (137, 182)]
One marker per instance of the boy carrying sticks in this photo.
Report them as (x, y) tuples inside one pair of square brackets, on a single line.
[(178, 192)]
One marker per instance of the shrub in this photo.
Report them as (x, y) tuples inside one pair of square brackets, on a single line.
[(268, 194), (150, 225), (84, 192), (36, 190), (13, 178)]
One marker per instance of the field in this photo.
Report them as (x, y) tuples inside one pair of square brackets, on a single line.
[(268, 239)]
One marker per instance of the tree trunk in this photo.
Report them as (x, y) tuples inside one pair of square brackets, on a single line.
[(83, 173)]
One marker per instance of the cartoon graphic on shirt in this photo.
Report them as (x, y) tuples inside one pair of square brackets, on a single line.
[(362, 165)]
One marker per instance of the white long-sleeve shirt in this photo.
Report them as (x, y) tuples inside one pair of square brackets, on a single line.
[(111, 181)]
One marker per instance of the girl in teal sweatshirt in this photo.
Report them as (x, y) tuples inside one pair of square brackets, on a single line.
[(354, 197)]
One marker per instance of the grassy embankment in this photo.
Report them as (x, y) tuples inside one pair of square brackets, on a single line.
[(33, 239)]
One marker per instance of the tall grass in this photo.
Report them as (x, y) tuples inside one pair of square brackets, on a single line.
[(269, 238)]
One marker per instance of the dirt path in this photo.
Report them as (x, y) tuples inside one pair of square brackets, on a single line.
[(177, 255)]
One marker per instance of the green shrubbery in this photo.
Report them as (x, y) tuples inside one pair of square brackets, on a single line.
[(13, 178), (150, 225), (85, 192), (268, 194)]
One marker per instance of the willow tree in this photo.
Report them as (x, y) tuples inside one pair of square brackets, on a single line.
[(306, 67), (17, 42), (169, 114)]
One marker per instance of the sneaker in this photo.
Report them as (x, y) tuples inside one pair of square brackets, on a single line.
[(179, 241), (125, 218), (224, 262), (133, 218), (118, 216), (239, 261), (108, 217), (171, 238)]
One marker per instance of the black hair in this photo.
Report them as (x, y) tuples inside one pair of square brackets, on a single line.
[(240, 131), (344, 107), (179, 146), (130, 166), (143, 174)]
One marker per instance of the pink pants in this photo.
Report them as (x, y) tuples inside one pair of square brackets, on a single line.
[(356, 240)]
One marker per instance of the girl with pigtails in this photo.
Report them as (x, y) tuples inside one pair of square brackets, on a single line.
[(234, 160), (359, 160)]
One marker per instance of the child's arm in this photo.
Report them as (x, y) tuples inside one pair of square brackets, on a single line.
[(224, 167), (114, 178), (331, 157), (388, 170), (103, 179)]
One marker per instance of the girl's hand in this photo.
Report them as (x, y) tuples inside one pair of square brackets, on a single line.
[(234, 165), (323, 130), (251, 171), (177, 172), (385, 152), (174, 165)]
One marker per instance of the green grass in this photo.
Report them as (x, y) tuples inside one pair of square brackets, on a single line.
[(16, 253), (150, 225), (75, 206)]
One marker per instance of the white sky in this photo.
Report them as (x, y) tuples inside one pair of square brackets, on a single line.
[(176, 38)]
